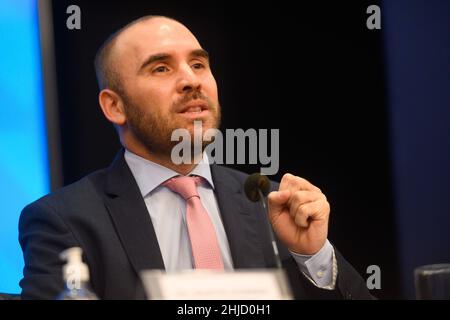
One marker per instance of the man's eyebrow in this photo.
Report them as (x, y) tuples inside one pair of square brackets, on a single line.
[(154, 58), (200, 53)]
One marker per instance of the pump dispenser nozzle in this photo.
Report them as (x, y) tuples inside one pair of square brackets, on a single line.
[(76, 276), (74, 269)]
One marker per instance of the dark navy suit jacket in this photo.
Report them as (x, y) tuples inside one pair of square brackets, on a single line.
[(105, 214)]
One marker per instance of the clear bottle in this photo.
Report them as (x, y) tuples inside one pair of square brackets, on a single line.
[(76, 277)]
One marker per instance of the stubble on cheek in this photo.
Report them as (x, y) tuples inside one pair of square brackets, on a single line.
[(154, 128)]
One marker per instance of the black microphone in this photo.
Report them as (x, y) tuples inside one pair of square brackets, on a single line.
[(257, 188)]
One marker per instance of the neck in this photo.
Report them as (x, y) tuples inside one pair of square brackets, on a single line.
[(165, 160)]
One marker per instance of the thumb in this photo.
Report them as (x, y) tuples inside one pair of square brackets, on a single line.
[(277, 201)]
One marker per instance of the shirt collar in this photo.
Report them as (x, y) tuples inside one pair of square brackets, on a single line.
[(149, 175)]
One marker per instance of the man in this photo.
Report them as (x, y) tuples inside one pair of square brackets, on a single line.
[(155, 78)]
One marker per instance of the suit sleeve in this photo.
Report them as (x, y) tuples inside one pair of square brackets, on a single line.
[(43, 235), (349, 282)]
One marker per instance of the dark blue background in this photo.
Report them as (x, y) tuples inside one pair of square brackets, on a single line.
[(416, 37)]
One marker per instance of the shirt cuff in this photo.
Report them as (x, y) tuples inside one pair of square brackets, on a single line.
[(321, 268)]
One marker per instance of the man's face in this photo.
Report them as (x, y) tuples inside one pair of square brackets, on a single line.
[(167, 82)]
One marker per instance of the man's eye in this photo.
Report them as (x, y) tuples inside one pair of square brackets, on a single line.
[(161, 69), (198, 66)]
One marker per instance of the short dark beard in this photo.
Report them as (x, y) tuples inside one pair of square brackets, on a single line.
[(154, 132)]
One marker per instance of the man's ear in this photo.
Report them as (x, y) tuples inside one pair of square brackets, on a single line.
[(112, 106)]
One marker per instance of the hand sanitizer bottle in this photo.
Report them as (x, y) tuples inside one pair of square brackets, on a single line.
[(76, 277)]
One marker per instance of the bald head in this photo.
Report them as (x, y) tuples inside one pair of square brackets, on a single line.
[(124, 46)]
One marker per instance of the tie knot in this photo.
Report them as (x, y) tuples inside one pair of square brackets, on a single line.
[(185, 186)]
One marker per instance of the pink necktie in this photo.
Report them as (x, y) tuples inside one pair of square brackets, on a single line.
[(202, 235)]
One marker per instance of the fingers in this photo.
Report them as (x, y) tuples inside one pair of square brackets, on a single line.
[(301, 197), (307, 212), (302, 200), (295, 183), (299, 200), (277, 200)]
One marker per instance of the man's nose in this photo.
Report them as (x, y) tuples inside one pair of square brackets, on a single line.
[(188, 80)]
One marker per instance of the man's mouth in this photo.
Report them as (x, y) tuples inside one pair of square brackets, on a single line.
[(195, 108)]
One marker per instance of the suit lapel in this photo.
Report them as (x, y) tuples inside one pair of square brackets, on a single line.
[(135, 229), (130, 216), (239, 223)]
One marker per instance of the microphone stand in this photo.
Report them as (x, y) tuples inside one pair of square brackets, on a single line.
[(272, 237)]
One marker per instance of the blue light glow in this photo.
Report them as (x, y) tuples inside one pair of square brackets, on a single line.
[(24, 172)]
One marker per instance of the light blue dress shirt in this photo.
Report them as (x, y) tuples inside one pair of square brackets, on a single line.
[(168, 214)]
